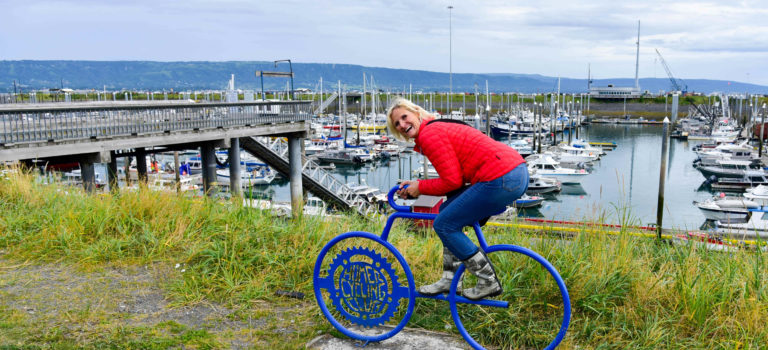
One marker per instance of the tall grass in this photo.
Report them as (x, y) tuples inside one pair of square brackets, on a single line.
[(626, 292)]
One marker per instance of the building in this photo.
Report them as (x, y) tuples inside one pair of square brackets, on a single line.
[(610, 91)]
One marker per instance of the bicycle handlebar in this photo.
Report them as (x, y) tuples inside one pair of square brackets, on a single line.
[(391, 200)]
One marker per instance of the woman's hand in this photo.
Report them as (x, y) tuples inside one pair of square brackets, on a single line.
[(412, 191)]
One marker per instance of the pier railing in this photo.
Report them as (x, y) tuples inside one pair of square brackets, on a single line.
[(47, 123), (324, 180)]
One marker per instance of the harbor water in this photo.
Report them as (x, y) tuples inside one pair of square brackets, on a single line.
[(622, 188)]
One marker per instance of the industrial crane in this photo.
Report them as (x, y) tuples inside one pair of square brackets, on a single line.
[(675, 85)]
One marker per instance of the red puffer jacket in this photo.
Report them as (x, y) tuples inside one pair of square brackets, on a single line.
[(461, 154)]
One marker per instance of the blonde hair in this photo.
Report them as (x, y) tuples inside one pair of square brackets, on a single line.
[(405, 103)]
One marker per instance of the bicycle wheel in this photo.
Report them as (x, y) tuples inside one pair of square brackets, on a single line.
[(364, 286), (502, 309)]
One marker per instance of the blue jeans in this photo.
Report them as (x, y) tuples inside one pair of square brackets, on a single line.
[(475, 203)]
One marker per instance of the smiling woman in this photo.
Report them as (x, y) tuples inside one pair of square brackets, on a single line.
[(480, 177), (404, 119)]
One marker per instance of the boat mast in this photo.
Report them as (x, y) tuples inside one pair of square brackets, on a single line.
[(637, 58)]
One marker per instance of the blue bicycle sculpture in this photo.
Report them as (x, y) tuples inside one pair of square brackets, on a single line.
[(366, 289)]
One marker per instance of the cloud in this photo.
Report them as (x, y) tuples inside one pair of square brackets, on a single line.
[(544, 37)]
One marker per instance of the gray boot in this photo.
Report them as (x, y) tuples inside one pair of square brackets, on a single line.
[(487, 284), (450, 264)]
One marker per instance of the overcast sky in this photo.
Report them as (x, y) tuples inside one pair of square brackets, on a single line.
[(725, 40)]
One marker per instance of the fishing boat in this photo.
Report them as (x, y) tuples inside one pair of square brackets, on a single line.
[(727, 151), (734, 184), (731, 168)]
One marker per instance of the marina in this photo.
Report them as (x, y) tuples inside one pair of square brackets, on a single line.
[(621, 187), (608, 175), (592, 172)]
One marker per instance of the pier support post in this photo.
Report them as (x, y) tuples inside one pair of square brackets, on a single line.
[(295, 162), (762, 132), (208, 160), (176, 169), (662, 172), (112, 172), (88, 175), (488, 120), (235, 181), (141, 165)]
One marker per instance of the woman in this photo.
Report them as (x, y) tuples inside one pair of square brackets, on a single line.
[(496, 176)]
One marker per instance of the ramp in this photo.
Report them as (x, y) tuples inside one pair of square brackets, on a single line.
[(327, 103), (315, 179)]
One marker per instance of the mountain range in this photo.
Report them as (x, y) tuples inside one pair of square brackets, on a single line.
[(203, 75)]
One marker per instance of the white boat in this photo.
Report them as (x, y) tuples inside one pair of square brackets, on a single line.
[(74, 177), (581, 143), (341, 156), (547, 166), (371, 194), (569, 154), (254, 176), (419, 171), (728, 151), (314, 206), (521, 146), (362, 153), (755, 227), (729, 209), (538, 184), (758, 194), (312, 146)]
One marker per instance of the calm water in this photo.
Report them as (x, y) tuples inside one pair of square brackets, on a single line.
[(624, 183)]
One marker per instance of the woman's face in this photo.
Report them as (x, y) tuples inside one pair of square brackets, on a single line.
[(406, 122)]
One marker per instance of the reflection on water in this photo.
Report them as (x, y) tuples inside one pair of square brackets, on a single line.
[(623, 183), (572, 189), (530, 213)]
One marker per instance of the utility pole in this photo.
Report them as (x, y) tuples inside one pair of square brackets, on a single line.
[(450, 53)]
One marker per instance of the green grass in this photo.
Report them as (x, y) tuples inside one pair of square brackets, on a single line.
[(626, 291)]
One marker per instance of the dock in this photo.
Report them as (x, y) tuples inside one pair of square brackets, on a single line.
[(572, 228)]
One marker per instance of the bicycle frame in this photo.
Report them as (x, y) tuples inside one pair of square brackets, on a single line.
[(404, 212), (360, 315)]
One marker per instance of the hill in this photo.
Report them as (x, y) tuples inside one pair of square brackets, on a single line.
[(198, 75)]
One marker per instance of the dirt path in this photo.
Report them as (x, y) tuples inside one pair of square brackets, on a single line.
[(52, 304)]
